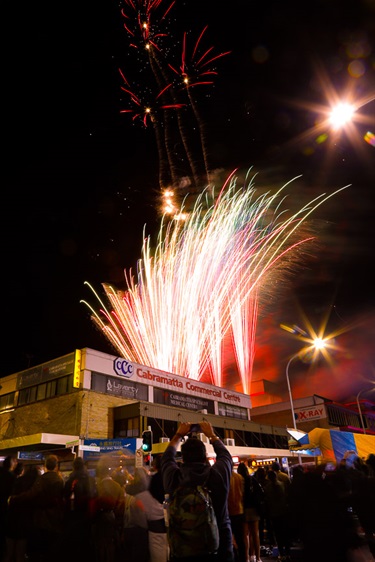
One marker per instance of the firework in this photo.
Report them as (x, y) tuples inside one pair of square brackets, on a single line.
[(207, 278), (197, 72), (180, 136)]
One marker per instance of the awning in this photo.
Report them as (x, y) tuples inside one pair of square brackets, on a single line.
[(334, 444), (37, 441), (236, 451)]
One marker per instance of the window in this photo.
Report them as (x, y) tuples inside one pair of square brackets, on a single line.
[(41, 392), (32, 394), (128, 427), (7, 401), (23, 396), (27, 395), (62, 385), (51, 389)]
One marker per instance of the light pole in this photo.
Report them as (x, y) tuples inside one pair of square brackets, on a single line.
[(291, 396), (317, 344), (360, 411), (289, 388)]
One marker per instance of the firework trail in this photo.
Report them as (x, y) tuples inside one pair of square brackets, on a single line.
[(197, 73), (148, 111), (146, 41), (207, 277), (243, 328), (154, 48)]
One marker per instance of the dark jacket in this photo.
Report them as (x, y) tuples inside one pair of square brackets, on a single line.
[(46, 497), (217, 478), (20, 517), (82, 487)]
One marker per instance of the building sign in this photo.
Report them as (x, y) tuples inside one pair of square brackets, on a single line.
[(176, 384), (309, 414), (90, 448), (46, 371), (186, 401), (77, 369), (31, 455), (117, 387), (230, 411), (93, 449)]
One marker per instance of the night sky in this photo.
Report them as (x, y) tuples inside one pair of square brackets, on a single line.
[(80, 179)]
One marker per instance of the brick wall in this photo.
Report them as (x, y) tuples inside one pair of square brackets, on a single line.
[(84, 413)]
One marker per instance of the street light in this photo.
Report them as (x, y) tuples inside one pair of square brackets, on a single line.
[(315, 344), (341, 114)]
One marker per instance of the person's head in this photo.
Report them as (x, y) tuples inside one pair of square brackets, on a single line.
[(297, 471), (19, 469), (156, 463), (32, 472), (243, 470), (78, 464), (102, 470), (275, 466), (51, 463), (193, 450), (260, 473), (272, 476), (10, 462), (359, 464), (140, 482), (370, 461)]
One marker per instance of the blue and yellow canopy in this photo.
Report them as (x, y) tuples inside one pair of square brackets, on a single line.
[(333, 444)]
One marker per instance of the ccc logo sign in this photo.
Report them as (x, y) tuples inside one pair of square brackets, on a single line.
[(123, 368)]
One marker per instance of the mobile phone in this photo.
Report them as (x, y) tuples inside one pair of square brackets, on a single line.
[(195, 428)]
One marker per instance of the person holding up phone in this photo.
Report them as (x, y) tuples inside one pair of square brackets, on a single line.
[(195, 469)]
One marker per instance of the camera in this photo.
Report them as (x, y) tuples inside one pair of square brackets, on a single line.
[(195, 428)]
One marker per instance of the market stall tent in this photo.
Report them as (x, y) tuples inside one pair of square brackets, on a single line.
[(333, 444)]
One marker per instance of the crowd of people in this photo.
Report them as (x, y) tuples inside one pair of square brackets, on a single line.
[(326, 510), (117, 515), (112, 516)]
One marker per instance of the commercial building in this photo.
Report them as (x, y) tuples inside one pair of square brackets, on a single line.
[(318, 411), (324, 426), (90, 403)]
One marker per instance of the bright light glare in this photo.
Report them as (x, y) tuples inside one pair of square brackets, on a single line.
[(316, 342), (341, 115), (319, 343)]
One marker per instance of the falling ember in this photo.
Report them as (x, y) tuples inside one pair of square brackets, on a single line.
[(208, 277)]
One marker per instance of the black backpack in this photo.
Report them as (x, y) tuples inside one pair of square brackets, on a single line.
[(192, 529)]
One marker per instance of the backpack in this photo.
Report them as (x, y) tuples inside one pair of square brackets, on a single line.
[(192, 528), (81, 492)]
